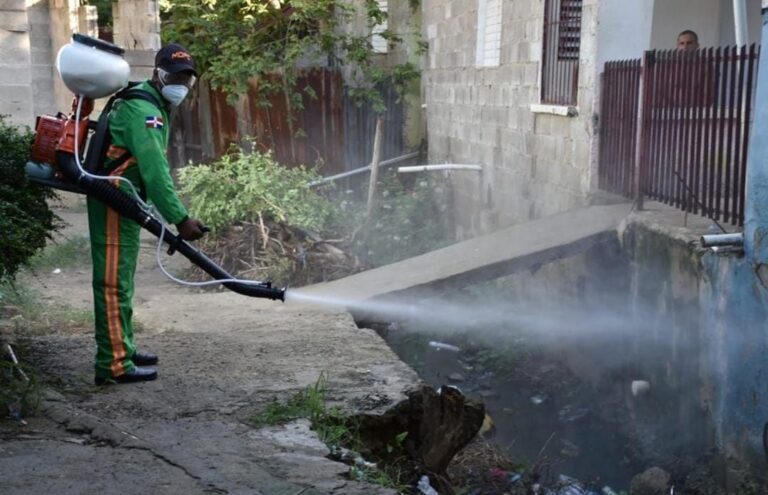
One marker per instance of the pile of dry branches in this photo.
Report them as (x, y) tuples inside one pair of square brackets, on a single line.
[(284, 254)]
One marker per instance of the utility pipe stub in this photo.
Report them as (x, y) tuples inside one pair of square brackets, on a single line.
[(640, 387)]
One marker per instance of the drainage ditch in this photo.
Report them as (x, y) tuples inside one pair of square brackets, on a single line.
[(605, 396)]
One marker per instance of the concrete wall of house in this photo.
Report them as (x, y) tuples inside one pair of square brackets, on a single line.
[(534, 164), (136, 24), (624, 29), (405, 21), (26, 69), (68, 17), (711, 19), (31, 34)]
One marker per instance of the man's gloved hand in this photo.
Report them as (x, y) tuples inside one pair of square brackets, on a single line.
[(191, 229)]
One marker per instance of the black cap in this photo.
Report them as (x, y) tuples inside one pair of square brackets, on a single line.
[(174, 58)]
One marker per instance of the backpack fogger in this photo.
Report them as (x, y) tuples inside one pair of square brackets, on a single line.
[(93, 69)]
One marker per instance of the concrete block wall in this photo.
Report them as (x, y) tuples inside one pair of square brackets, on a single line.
[(66, 18), (136, 24), (33, 31), (26, 70), (534, 164)]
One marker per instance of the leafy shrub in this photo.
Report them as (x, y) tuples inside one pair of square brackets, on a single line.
[(406, 222), (250, 186), (25, 219)]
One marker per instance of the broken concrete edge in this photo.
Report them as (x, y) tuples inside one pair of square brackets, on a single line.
[(430, 427), (439, 424), (54, 406), (681, 236)]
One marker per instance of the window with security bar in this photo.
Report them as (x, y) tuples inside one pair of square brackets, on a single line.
[(562, 47), (380, 44)]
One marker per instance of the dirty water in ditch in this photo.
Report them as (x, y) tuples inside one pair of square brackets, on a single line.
[(543, 416), (556, 379)]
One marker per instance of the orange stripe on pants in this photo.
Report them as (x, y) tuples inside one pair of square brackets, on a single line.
[(110, 292), (112, 300)]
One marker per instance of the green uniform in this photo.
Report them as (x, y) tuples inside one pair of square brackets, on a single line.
[(140, 127)]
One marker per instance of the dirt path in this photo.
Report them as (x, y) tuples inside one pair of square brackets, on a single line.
[(222, 358)]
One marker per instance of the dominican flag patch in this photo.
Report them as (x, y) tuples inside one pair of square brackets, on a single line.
[(154, 122)]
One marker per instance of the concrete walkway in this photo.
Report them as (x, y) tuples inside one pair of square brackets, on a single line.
[(504, 252), (223, 358)]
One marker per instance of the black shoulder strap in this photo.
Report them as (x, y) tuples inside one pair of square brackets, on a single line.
[(96, 157), (130, 93)]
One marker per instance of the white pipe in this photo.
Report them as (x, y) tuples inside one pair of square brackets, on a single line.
[(712, 240), (360, 170), (445, 166), (740, 22)]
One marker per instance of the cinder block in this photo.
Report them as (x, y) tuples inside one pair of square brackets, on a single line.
[(14, 21), (38, 16), (140, 58), (12, 5), (40, 35), (16, 101), (14, 48), (43, 72), (41, 56), (14, 75)]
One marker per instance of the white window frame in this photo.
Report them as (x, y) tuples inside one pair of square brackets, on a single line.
[(489, 23), (378, 42)]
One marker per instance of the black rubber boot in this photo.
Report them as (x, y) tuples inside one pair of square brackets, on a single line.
[(137, 374)]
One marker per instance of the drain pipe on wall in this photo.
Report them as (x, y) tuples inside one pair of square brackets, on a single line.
[(756, 211), (445, 166), (718, 240), (756, 217), (740, 22)]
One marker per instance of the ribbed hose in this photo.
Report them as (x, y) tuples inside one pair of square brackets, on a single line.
[(129, 208)]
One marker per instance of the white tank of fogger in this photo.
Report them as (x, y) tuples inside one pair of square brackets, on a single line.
[(91, 67)]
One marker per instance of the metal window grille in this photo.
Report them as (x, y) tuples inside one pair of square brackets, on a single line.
[(562, 47), (569, 39)]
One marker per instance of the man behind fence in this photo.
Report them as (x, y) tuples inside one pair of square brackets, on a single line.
[(687, 41)]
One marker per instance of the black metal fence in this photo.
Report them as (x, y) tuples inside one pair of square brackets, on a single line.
[(686, 117)]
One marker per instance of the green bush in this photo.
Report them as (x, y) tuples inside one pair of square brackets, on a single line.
[(244, 186), (406, 222), (25, 219)]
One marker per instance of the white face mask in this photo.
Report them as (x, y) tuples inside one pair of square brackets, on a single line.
[(174, 93)]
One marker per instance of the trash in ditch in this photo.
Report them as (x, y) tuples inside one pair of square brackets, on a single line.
[(424, 488), (489, 394), (56, 271), (456, 377), (570, 449), (465, 365), (539, 399), (570, 414), (640, 387), (487, 375), (570, 486), (488, 427), (362, 463), (498, 473), (442, 346), (454, 387), (14, 410)]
